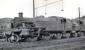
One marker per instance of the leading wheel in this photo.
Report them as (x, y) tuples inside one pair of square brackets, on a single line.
[(14, 38)]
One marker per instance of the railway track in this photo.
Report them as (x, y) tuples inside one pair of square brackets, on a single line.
[(62, 44), (68, 46)]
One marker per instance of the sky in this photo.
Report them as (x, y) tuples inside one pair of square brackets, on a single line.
[(11, 8)]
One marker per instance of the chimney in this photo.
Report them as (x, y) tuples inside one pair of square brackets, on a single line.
[(21, 15)]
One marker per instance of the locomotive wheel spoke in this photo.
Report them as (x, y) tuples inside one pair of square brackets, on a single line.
[(76, 35), (81, 34), (14, 38), (46, 37), (32, 39), (17, 38), (59, 36), (67, 35)]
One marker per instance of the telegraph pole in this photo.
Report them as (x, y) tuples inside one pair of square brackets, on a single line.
[(79, 19), (62, 6), (79, 12), (33, 9)]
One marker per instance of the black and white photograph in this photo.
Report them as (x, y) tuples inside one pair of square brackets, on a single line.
[(42, 24)]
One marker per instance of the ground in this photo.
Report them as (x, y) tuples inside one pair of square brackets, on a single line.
[(62, 44)]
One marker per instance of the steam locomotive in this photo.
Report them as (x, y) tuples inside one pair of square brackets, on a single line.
[(41, 28)]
